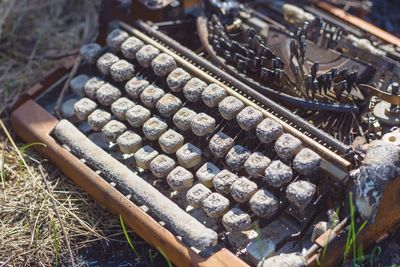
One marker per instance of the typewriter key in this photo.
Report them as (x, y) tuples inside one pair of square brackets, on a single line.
[(129, 142), (177, 79), (78, 83), (90, 52), (263, 203), (215, 205), (113, 129), (105, 62), (243, 189), (150, 95), (98, 118), (91, 86), (223, 180), (135, 86), (180, 179), (168, 105), (220, 144), (256, 164), (116, 38), (163, 64), (130, 47), (121, 106), (84, 107), (300, 193), (137, 116), (189, 155), (170, 141), (144, 156), (248, 118), (183, 118), (108, 94), (154, 128), (213, 94), (197, 194), (161, 166), (229, 107), (236, 157), (122, 70), (206, 174), (278, 174), (193, 89), (236, 220), (202, 124), (269, 130), (306, 161), (146, 54), (287, 146)]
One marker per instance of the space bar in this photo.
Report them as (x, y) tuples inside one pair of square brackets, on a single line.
[(191, 230)]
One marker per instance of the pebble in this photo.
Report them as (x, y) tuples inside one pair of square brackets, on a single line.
[(130, 47), (171, 141), (113, 129), (98, 118), (144, 156), (183, 118), (121, 106), (168, 105), (91, 86), (215, 205), (243, 189), (206, 174), (223, 180), (135, 86), (229, 107), (263, 203), (116, 38), (105, 62), (300, 193), (78, 83), (197, 194), (189, 155), (150, 95), (122, 70), (180, 179), (236, 157), (163, 64), (137, 115), (213, 94), (248, 118), (90, 52), (193, 89), (306, 161), (220, 144), (146, 54), (129, 142), (161, 166), (277, 174), (154, 128), (269, 130), (177, 79), (236, 220), (202, 124), (108, 94), (84, 107), (256, 164)]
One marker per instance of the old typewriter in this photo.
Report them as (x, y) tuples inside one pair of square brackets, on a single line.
[(230, 133)]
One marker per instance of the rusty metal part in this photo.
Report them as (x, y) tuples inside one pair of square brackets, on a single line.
[(386, 96), (269, 104)]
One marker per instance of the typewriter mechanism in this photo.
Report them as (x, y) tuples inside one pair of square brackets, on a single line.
[(231, 133)]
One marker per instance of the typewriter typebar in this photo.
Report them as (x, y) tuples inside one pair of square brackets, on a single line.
[(204, 160)]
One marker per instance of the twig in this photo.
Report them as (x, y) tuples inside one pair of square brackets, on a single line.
[(66, 86)]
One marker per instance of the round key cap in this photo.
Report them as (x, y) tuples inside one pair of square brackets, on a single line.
[(278, 174), (236, 220), (215, 205), (146, 54), (223, 180), (206, 174), (193, 89), (177, 79), (122, 70), (108, 94), (121, 106), (105, 62), (130, 47), (154, 128), (78, 83), (129, 142), (168, 105), (269, 130), (144, 156), (98, 118), (116, 38), (243, 189), (90, 52), (202, 124), (248, 118), (189, 155), (236, 157), (163, 64), (161, 166), (91, 87), (263, 203), (135, 86), (183, 118), (213, 94), (150, 95), (84, 107), (180, 179), (137, 115), (229, 107), (220, 144), (197, 194), (256, 164), (300, 193), (287, 146), (306, 161), (113, 129), (170, 141)]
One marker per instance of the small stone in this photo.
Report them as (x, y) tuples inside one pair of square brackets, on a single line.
[(129, 142), (98, 118), (180, 179), (113, 129), (78, 83), (183, 118), (177, 79), (108, 94), (202, 124), (256, 164), (130, 47), (287, 146), (189, 155), (193, 89), (137, 115), (248, 118), (135, 86), (292, 260), (116, 38), (154, 128), (122, 70), (259, 249), (105, 62), (223, 180), (90, 52), (269, 130), (230, 107), (121, 106), (171, 141), (263, 203), (84, 107), (206, 174), (212, 95), (144, 156), (150, 95), (300, 193), (318, 230), (163, 64), (236, 157), (277, 174), (146, 54), (161, 166), (236, 220), (306, 161), (91, 86), (197, 194), (168, 105), (220, 144), (215, 205), (67, 108), (243, 189)]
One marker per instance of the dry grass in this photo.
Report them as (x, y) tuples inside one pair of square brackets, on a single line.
[(35, 36)]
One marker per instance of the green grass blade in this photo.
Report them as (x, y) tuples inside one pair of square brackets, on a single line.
[(165, 257), (127, 237), (55, 241)]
